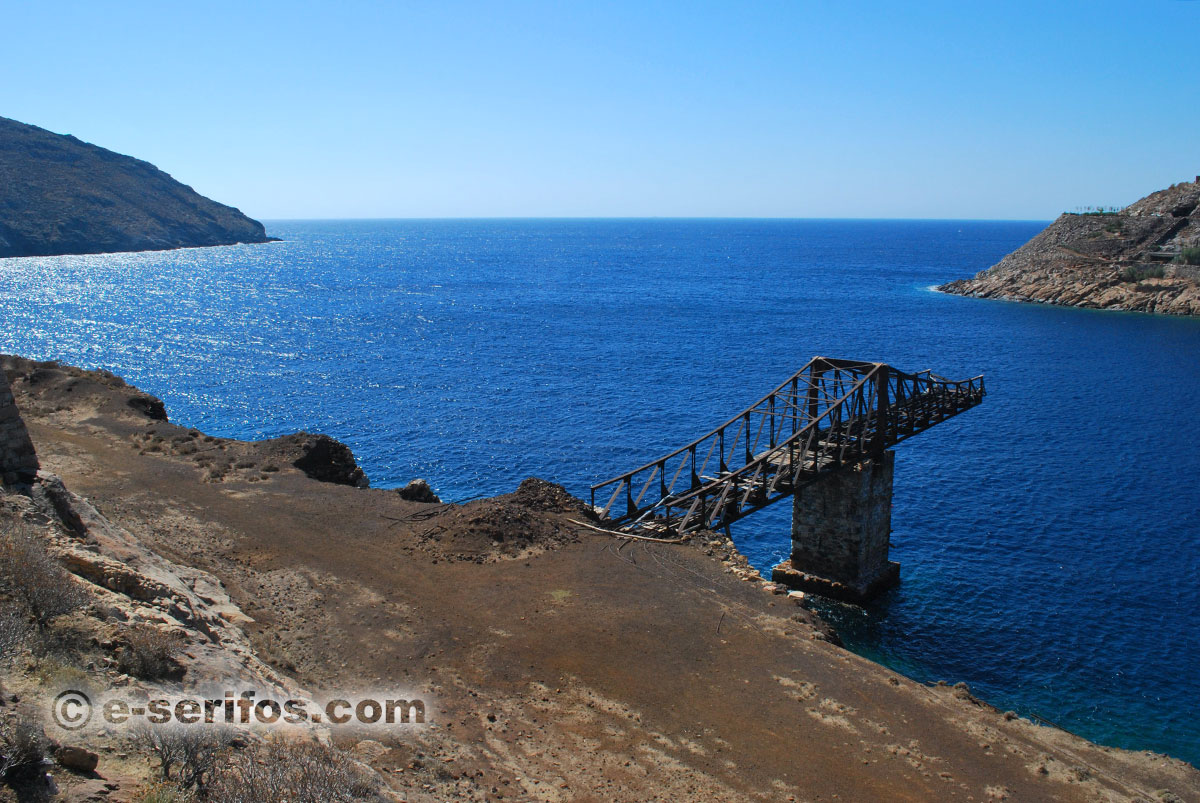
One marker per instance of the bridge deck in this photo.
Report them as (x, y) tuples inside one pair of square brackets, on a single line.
[(828, 415)]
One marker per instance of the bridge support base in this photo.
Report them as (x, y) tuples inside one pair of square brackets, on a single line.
[(840, 530)]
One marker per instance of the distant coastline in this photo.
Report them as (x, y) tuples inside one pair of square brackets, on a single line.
[(1143, 258), (62, 196)]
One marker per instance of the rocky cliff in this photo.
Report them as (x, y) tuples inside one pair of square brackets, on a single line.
[(59, 195), (1140, 258)]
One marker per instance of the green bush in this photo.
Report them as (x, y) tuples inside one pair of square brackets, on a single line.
[(1189, 256), (1135, 273)]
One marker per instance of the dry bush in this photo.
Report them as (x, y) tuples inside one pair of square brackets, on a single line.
[(187, 755), (57, 672), (298, 771), (33, 578), (148, 652), (164, 793), (14, 628), (22, 750)]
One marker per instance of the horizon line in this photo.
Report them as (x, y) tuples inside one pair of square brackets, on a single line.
[(651, 217)]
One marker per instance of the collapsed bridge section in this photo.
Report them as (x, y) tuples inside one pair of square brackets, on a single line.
[(831, 426)]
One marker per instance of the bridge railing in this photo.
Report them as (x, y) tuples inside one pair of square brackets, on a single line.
[(860, 426), (773, 419), (829, 412), (838, 435), (923, 399)]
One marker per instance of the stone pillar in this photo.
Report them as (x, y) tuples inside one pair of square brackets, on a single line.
[(840, 529), (18, 460)]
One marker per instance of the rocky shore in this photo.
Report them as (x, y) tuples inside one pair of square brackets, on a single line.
[(559, 662), (1142, 258)]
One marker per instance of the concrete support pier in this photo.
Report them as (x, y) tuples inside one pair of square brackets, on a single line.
[(840, 529)]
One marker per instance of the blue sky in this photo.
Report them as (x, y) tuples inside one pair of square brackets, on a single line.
[(454, 109)]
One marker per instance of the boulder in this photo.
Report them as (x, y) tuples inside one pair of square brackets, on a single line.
[(418, 491), (328, 460), (77, 759)]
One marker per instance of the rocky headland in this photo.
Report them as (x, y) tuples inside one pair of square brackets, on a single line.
[(1143, 258), (561, 663), (59, 195)]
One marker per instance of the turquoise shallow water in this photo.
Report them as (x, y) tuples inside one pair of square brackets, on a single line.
[(1048, 538)]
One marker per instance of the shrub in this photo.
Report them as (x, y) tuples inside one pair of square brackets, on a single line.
[(148, 652), (293, 770), (35, 579), (187, 755), (1135, 273), (53, 672), (22, 751), (163, 793), (13, 630), (1189, 256)]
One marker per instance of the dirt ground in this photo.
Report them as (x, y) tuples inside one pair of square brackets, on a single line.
[(558, 663)]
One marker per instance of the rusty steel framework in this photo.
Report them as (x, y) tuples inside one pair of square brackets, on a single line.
[(828, 415)]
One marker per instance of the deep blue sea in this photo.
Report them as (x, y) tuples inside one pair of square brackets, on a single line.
[(1049, 539)]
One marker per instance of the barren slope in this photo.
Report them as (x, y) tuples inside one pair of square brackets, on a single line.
[(564, 664)]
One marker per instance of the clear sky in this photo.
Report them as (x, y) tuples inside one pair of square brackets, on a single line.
[(1002, 109)]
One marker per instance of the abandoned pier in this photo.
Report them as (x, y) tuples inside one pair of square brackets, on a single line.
[(823, 438)]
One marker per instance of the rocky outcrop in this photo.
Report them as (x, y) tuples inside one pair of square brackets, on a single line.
[(59, 195), (137, 624), (149, 406), (138, 585), (18, 461), (52, 389), (1126, 260), (324, 458), (418, 490)]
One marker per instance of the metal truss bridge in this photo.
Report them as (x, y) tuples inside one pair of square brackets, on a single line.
[(828, 415)]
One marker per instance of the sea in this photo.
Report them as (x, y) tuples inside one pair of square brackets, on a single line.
[(1049, 539)]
